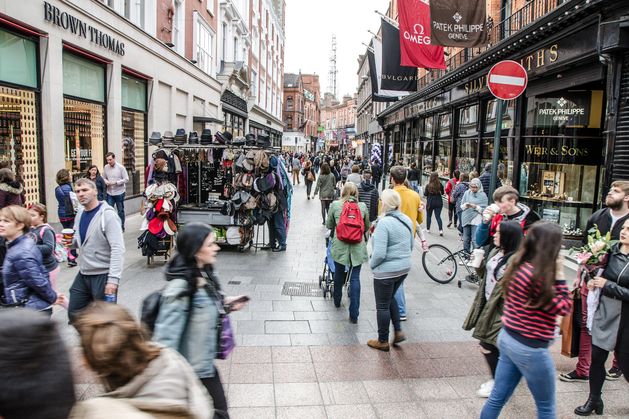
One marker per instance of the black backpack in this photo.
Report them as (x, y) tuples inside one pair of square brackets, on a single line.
[(150, 309)]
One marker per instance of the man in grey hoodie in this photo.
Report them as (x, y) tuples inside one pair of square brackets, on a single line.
[(98, 234)]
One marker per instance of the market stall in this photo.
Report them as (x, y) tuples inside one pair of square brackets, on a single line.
[(234, 185)]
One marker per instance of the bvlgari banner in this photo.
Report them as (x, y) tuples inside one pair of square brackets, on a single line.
[(377, 94), (458, 23), (416, 47), (394, 76)]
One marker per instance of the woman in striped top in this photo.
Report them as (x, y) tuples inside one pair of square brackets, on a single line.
[(535, 295)]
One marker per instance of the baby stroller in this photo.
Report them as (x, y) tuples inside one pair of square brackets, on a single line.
[(326, 279)]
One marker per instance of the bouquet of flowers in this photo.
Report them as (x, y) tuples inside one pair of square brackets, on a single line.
[(594, 254)]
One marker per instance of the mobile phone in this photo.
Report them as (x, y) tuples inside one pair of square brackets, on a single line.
[(240, 299)]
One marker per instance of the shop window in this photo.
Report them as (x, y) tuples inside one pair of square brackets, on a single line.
[(84, 124), (442, 158), (508, 119), (427, 161), (465, 159), (505, 158), (22, 67), (134, 132), (83, 78), (444, 129), (18, 138), (426, 131), (234, 124), (468, 121)]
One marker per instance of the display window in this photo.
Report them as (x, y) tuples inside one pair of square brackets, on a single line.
[(18, 138), (508, 119), (134, 148), (427, 160), (84, 126), (443, 150), (427, 128), (444, 128), (506, 156), (468, 121), (465, 158), (235, 124)]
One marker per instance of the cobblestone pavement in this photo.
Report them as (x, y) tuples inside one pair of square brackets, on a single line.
[(299, 356)]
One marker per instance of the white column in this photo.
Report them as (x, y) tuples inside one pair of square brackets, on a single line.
[(114, 110), (52, 130)]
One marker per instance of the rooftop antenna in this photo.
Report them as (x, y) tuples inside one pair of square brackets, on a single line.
[(332, 72)]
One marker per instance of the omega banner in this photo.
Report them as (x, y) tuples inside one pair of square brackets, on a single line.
[(394, 76), (415, 44), (458, 23)]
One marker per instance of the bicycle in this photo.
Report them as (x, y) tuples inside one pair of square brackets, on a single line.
[(442, 265)]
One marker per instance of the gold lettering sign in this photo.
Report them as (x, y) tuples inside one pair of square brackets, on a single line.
[(554, 151), (475, 86), (540, 58)]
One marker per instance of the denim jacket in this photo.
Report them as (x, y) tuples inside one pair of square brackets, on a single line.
[(198, 342)]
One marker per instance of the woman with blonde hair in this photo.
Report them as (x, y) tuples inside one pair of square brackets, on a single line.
[(26, 282), (390, 263), (348, 217), (152, 378)]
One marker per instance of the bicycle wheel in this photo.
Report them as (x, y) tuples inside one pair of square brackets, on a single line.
[(439, 263)]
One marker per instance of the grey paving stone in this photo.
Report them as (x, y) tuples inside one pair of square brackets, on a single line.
[(363, 411), (314, 339), (272, 315), (344, 392), (294, 373), (297, 394), (331, 326), (310, 412), (389, 391), (292, 306), (342, 338), (291, 354), (266, 340), (401, 410), (249, 327), (252, 412), (251, 395), (432, 388), (282, 326), (310, 315)]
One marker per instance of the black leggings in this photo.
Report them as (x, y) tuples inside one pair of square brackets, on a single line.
[(215, 388), (491, 357), (308, 186), (452, 215), (437, 212), (325, 206), (597, 369)]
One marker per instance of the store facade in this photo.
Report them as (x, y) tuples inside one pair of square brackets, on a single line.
[(75, 85), (263, 123), (554, 142)]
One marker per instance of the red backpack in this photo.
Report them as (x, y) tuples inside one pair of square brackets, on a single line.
[(351, 227)]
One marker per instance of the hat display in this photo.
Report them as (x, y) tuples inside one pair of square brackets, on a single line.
[(156, 226), (265, 183), (180, 136), (233, 236), (168, 138), (170, 227), (227, 208), (273, 162), (263, 141), (206, 136), (224, 137), (261, 160), (193, 138), (155, 138), (250, 140), (239, 141)]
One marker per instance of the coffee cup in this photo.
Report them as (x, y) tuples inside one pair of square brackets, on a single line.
[(477, 258), (68, 235)]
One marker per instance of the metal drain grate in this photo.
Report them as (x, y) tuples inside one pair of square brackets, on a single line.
[(301, 289), (233, 283)]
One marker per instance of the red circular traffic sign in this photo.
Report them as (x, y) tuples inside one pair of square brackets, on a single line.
[(507, 80)]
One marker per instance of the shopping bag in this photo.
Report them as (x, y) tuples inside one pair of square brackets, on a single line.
[(571, 327)]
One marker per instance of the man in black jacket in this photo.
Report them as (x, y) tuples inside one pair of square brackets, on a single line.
[(368, 193), (485, 179), (609, 219)]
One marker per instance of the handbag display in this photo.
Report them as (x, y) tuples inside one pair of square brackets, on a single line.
[(571, 327)]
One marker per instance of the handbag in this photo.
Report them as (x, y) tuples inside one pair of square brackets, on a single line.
[(226, 342), (571, 327)]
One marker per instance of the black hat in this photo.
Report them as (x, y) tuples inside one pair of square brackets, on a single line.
[(224, 137), (206, 136), (263, 141), (251, 139), (239, 141), (180, 136), (155, 138), (193, 138)]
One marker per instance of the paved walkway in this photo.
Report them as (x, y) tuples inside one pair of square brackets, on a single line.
[(300, 356)]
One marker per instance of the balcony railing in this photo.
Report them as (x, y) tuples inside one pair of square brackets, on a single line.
[(531, 12)]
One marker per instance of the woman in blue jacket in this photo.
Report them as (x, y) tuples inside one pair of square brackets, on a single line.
[(66, 211), (390, 263), (191, 326), (24, 277)]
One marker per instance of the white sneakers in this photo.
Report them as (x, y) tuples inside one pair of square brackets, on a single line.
[(485, 389)]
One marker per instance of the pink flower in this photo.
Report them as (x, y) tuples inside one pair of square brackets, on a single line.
[(582, 258), (598, 246)]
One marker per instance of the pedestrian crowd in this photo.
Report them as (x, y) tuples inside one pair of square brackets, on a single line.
[(165, 366)]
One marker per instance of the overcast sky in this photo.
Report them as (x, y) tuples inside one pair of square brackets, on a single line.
[(309, 29)]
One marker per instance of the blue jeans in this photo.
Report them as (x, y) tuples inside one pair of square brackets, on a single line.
[(354, 288), (517, 360), (469, 232), (118, 201), (401, 300), (387, 310), (414, 184), (277, 230)]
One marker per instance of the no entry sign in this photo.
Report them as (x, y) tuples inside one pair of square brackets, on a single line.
[(507, 80)]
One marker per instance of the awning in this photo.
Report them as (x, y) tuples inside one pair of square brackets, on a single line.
[(207, 119)]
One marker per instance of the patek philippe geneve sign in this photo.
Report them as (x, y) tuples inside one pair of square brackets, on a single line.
[(75, 25)]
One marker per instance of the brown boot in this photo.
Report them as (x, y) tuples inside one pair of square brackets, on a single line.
[(398, 338), (376, 344)]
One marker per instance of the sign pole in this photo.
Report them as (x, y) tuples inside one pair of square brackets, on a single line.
[(494, 164)]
